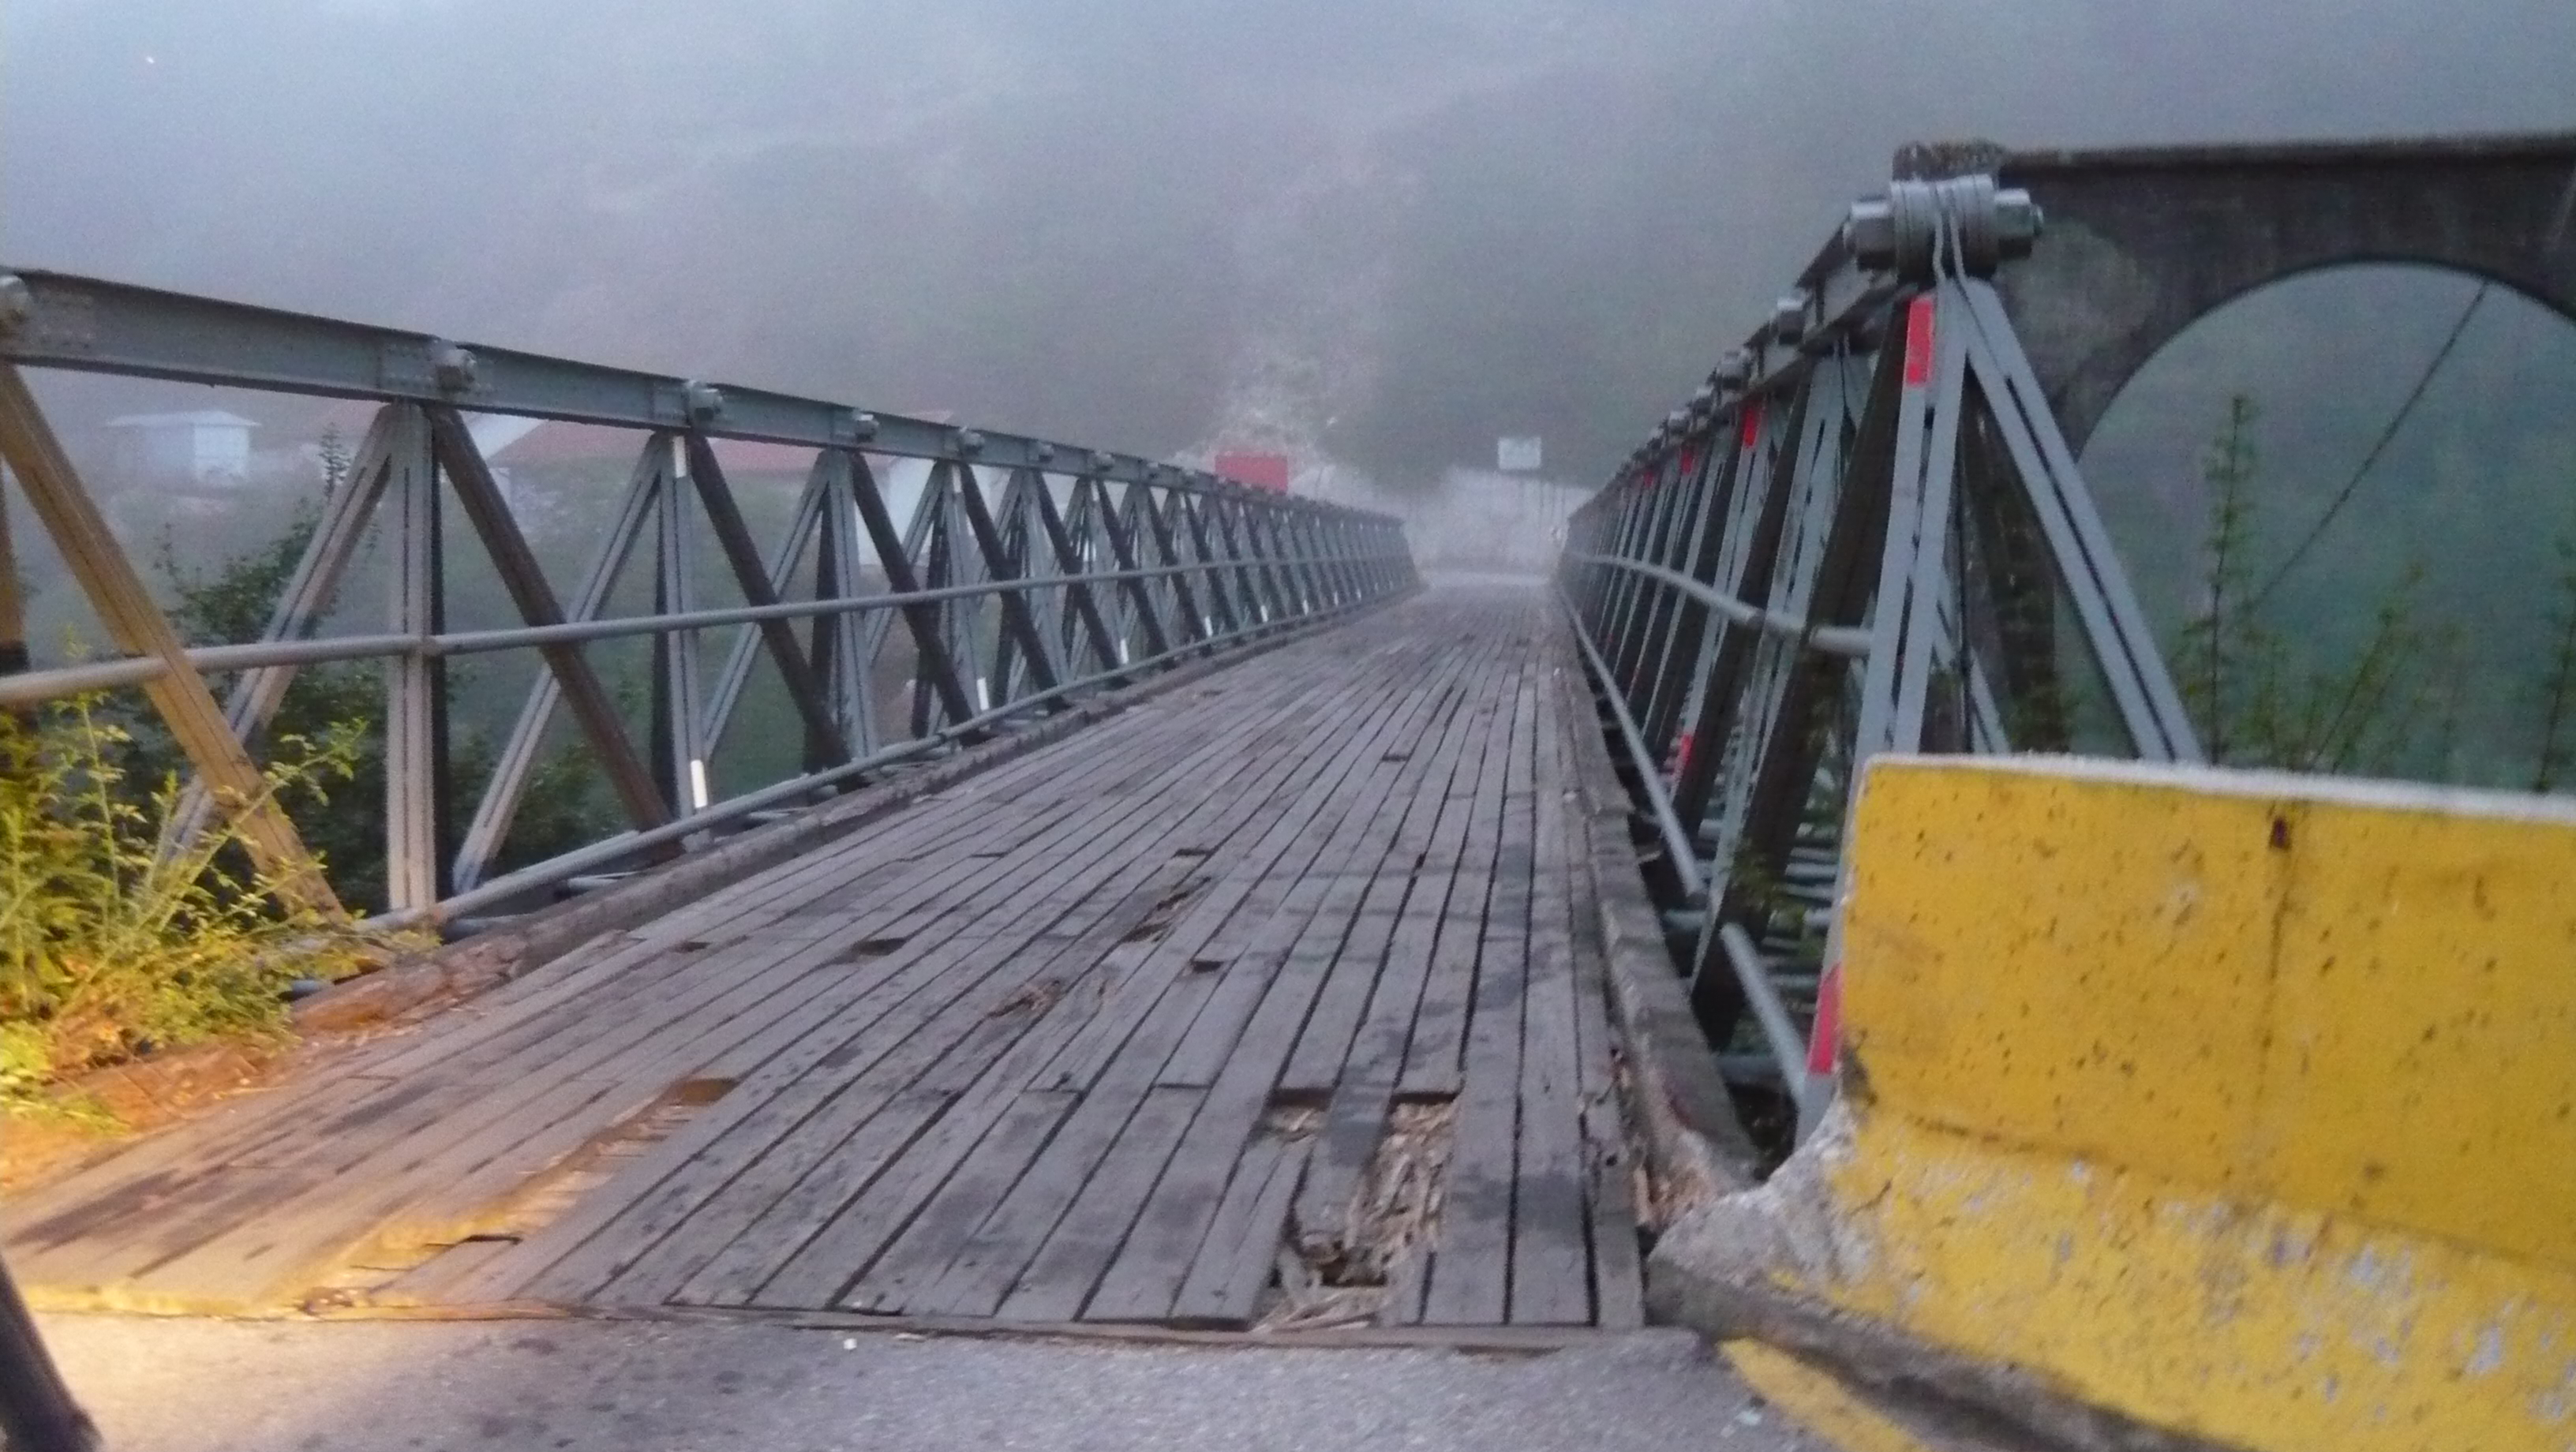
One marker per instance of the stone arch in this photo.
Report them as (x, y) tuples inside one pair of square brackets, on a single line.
[(2140, 244)]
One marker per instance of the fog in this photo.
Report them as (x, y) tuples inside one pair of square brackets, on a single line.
[(1385, 230)]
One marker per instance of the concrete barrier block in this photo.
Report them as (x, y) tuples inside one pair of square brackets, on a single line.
[(2187, 1107)]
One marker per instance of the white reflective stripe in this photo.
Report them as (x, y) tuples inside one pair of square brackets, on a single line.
[(697, 784), (983, 695)]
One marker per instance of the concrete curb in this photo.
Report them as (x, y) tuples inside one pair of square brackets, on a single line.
[(1720, 1269), (1696, 1148)]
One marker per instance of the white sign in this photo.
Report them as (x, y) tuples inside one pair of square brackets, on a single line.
[(1517, 456)]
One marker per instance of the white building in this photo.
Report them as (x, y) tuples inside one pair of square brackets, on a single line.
[(203, 446)]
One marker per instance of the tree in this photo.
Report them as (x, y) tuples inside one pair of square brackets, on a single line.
[(342, 820)]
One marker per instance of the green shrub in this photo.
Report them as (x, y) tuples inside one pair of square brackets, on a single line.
[(113, 945)]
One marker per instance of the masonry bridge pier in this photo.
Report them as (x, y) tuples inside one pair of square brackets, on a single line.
[(1057, 891)]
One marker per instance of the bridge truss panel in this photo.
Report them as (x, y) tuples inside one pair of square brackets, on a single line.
[(1865, 535), (1027, 576)]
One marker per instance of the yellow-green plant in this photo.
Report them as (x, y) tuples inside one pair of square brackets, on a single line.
[(115, 942)]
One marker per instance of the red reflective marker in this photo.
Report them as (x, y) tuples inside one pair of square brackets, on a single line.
[(1918, 342), (1829, 1022)]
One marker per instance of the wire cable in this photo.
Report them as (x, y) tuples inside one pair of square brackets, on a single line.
[(2378, 447)]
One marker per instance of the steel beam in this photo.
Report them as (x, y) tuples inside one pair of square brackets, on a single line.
[(54, 492)]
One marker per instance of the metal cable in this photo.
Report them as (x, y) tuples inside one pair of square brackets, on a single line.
[(2378, 447)]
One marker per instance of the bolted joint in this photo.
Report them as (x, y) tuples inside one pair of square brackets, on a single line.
[(1041, 452), (1102, 461), (1734, 372), (969, 441), (2018, 223), (703, 402), (17, 303), (1904, 231), (453, 368), (863, 426), (1789, 319)]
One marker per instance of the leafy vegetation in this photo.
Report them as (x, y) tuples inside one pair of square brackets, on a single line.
[(110, 945), (2253, 701), (113, 941)]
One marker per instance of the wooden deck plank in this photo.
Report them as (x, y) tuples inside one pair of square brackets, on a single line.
[(1470, 1275), (1551, 1262), (671, 1187), (1363, 1089), (1259, 924), (1055, 1282), (878, 1212)]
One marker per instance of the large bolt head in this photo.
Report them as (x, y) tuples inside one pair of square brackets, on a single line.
[(454, 369), (17, 303), (2018, 222), (1869, 234), (1789, 319)]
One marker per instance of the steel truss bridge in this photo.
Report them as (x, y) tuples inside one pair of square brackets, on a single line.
[(1303, 992)]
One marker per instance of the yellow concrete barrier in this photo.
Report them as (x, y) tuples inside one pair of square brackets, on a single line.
[(2239, 1105)]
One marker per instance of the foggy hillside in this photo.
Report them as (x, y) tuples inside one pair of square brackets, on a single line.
[(1391, 228)]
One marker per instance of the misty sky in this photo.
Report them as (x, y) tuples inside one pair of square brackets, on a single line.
[(1398, 226)]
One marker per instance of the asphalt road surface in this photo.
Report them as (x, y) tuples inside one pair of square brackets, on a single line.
[(210, 1386)]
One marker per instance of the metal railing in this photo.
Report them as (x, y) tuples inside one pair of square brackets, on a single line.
[(1024, 576), (1864, 533)]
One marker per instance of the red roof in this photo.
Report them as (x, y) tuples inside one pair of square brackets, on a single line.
[(1261, 471)]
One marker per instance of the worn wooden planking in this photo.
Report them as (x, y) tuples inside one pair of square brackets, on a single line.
[(851, 1237), (1249, 921), (1183, 1238), (252, 1129), (1370, 880), (1470, 1277), (1221, 1287), (348, 1113), (1433, 1055), (439, 1150), (1082, 832), (741, 1264), (1363, 1089), (1059, 1278), (668, 1188), (931, 1239), (1551, 1274), (851, 1240), (1325, 1042), (1618, 1275)]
